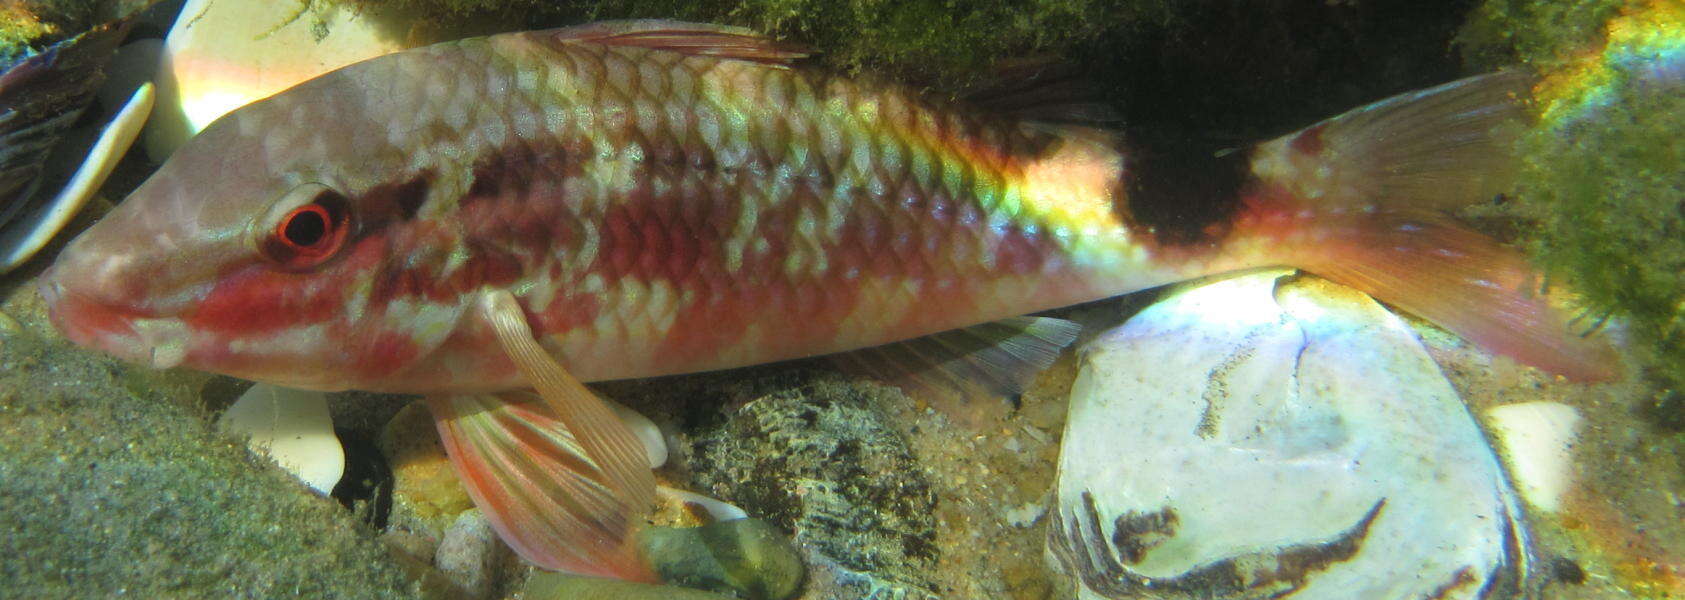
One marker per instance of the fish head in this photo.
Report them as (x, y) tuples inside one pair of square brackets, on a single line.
[(262, 250)]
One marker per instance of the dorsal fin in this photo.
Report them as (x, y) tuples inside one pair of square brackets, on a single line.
[(1046, 91), (696, 39)]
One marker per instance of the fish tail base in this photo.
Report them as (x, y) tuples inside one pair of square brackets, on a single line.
[(1364, 199)]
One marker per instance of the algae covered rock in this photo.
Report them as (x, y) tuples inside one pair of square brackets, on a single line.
[(1600, 196), (818, 460), (920, 37), (113, 482)]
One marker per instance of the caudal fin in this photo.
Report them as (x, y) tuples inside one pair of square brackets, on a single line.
[(1362, 198)]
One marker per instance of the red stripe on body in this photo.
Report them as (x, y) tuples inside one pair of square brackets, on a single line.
[(384, 355), (255, 299), (566, 312), (806, 312)]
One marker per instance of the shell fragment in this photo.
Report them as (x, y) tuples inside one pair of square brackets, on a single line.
[(292, 427), (22, 240), (1301, 444)]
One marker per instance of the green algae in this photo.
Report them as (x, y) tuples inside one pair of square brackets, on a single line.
[(1599, 200), (559, 586), (747, 558), (1607, 199), (1541, 33), (924, 40), (114, 482)]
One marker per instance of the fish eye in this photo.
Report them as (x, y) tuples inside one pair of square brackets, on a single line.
[(306, 228), (309, 225)]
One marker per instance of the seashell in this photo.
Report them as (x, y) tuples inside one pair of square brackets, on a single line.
[(715, 509), (1538, 442), (1269, 436), (292, 427), (225, 54), (41, 97), (655, 446)]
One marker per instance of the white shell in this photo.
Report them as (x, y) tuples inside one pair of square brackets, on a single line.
[(718, 510), (224, 54), (293, 428), (22, 239), (1237, 440), (1538, 443), (655, 446)]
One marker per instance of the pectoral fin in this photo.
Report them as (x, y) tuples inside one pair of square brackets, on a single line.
[(605, 439), (542, 494), (564, 481)]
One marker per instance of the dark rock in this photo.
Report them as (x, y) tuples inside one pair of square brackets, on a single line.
[(817, 459)]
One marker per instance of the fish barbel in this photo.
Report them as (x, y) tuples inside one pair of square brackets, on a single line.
[(651, 198)]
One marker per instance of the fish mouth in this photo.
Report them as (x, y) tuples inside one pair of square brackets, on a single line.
[(125, 332)]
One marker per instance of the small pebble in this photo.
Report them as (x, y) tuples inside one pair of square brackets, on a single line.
[(1025, 515), (471, 554), (426, 494)]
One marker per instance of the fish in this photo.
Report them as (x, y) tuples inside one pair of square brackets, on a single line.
[(534, 210)]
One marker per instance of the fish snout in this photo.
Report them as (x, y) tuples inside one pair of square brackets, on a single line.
[(95, 305)]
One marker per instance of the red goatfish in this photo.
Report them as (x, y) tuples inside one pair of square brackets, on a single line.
[(530, 210)]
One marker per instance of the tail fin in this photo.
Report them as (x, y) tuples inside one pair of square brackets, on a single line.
[(1361, 199)]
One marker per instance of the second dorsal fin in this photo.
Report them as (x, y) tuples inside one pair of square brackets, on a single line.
[(697, 39), (1047, 91)]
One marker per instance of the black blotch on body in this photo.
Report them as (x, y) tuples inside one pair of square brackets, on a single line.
[(517, 170), (399, 200), (1185, 195)]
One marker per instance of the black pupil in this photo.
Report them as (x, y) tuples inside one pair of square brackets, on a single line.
[(306, 228)]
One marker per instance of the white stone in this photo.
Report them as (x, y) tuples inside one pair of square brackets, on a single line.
[(1538, 443), (1026, 514), (293, 428), (470, 554), (1250, 429)]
